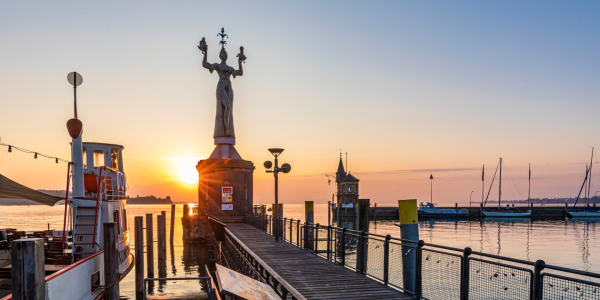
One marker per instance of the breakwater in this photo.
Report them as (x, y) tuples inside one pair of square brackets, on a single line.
[(391, 213)]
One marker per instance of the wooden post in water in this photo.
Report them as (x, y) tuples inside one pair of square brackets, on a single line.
[(111, 265), (139, 256), (160, 237), (186, 210), (149, 245), (172, 223), (27, 269)]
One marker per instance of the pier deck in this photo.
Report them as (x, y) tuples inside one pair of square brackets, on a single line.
[(312, 276)]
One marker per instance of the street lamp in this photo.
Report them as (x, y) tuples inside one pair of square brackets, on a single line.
[(285, 168), (431, 179), (470, 198)]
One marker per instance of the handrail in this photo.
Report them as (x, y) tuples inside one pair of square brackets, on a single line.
[(97, 203), (71, 266), (295, 294), (66, 203), (338, 255)]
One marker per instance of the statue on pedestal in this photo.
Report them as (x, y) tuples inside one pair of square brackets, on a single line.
[(224, 132)]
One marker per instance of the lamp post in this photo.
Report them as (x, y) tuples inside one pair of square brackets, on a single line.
[(470, 198), (285, 168), (431, 179)]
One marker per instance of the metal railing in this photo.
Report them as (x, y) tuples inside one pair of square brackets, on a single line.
[(243, 260), (429, 271)]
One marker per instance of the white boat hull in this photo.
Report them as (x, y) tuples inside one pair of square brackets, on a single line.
[(507, 214), (586, 214)]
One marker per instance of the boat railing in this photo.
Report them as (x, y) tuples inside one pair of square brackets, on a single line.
[(431, 271)]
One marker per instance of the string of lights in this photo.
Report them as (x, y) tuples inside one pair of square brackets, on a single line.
[(36, 154)]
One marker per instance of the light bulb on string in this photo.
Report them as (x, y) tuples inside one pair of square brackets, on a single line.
[(35, 156), (57, 160), (9, 149)]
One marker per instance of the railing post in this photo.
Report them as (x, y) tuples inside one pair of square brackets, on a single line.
[(316, 239), (343, 243), (328, 242), (305, 235), (464, 278), (298, 233), (419, 279), (386, 259), (361, 252), (537, 280), (291, 222)]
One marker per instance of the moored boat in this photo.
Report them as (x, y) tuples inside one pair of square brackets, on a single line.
[(508, 212), (588, 212), (430, 211)]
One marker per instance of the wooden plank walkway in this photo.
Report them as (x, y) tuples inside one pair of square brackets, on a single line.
[(314, 277)]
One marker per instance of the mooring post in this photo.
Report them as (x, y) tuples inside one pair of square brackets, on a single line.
[(139, 256), (27, 269), (186, 210), (159, 237), (386, 259), (111, 265), (480, 210), (309, 214), (306, 247), (172, 222), (150, 245), (360, 256), (409, 230)]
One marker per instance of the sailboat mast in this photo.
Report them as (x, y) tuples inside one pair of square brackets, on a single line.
[(587, 184), (590, 180), (529, 190), (500, 184)]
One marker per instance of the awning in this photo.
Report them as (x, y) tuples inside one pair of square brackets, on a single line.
[(11, 189)]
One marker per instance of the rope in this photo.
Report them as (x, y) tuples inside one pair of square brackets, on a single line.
[(10, 147)]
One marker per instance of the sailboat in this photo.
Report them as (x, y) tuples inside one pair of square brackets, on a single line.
[(506, 213), (585, 187)]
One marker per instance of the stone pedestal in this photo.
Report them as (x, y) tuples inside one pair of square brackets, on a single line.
[(225, 187)]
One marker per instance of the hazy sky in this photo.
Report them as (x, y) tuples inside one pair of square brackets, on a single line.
[(406, 88)]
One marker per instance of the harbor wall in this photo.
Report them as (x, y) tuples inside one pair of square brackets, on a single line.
[(391, 213)]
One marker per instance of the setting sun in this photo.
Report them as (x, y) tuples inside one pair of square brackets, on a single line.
[(188, 174)]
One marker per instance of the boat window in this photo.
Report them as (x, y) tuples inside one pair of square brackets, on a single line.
[(98, 158), (116, 219), (84, 156), (114, 158)]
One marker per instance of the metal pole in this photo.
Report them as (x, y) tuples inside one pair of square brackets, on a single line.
[(275, 210), (537, 280), (386, 259), (470, 195), (464, 281)]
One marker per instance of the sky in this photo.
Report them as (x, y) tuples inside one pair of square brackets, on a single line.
[(405, 88)]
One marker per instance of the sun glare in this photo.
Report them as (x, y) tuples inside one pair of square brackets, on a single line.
[(188, 175)]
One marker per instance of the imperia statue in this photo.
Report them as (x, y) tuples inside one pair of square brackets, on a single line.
[(224, 118)]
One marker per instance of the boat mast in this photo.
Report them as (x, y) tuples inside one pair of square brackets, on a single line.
[(587, 183), (500, 184), (590, 180), (529, 190)]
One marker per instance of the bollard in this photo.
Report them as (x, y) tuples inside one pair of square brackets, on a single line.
[(309, 212), (172, 223), (409, 230), (186, 210), (363, 225), (111, 264), (139, 256), (149, 245), (27, 270)]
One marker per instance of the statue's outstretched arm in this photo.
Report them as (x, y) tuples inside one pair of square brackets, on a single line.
[(240, 71), (205, 64)]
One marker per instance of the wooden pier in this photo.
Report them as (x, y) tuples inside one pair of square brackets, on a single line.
[(311, 276)]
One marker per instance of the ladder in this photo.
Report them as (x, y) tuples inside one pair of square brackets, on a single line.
[(87, 223)]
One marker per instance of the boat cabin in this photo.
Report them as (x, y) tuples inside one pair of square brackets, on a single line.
[(105, 160)]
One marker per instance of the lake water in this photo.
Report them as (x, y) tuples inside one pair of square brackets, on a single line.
[(568, 243)]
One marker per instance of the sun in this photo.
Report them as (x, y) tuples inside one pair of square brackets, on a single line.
[(188, 175)]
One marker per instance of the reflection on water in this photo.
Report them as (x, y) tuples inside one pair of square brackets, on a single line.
[(189, 258), (569, 243)]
